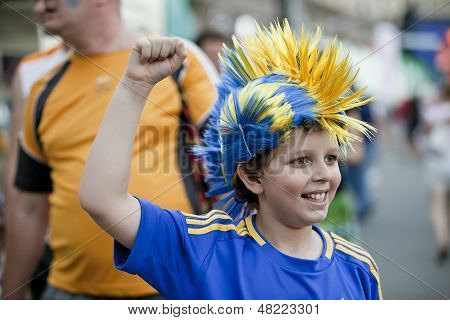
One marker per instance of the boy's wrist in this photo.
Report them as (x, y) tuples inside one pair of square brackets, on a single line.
[(137, 88)]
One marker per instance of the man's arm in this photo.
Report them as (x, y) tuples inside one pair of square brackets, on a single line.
[(16, 225), (25, 231), (104, 185), (17, 108)]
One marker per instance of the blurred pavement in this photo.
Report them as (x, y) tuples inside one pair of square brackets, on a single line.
[(399, 234)]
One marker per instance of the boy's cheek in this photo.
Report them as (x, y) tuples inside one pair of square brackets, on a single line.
[(337, 177), (332, 193)]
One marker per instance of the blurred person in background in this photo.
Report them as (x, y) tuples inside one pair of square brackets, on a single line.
[(408, 113), (359, 164), (2, 239), (436, 121), (211, 42), (63, 112), (413, 123), (30, 69)]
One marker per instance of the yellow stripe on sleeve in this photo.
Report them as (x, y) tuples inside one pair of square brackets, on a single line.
[(241, 229), (244, 233), (335, 236), (203, 216), (365, 260), (240, 225), (358, 250), (213, 227), (354, 247), (209, 220)]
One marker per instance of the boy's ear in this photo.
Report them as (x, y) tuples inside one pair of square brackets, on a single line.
[(251, 182)]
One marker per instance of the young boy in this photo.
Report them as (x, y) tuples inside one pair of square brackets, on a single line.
[(271, 155)]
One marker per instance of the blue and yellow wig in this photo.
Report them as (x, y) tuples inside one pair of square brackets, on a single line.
[(271, 82)]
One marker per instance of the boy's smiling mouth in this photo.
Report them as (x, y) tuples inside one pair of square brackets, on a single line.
[(316, 198)]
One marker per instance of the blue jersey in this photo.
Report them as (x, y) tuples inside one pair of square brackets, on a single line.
[(210, 256)]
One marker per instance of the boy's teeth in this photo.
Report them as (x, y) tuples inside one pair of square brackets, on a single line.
[(316, 196)]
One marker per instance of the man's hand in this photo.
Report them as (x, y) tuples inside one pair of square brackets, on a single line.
[(153, 59)]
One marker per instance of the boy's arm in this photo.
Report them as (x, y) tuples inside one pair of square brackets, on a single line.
[(103, 190)]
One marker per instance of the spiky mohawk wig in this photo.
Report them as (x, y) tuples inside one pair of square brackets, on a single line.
[(271, 82)]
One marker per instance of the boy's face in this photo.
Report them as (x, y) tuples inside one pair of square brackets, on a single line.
[(301, 181)]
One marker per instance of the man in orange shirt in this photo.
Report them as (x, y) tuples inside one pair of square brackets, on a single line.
[(30, 69), (62, 115)]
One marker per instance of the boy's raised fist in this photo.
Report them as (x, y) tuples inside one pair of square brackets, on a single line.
[(154, 58)]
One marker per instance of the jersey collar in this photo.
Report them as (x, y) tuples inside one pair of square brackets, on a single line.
[(319, 264)]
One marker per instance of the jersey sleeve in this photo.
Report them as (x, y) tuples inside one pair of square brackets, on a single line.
[(369, 279), (33, 173), (375, 289), (160, 254), (197, 81)]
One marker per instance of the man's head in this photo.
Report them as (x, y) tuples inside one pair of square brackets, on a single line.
[(69, 17), (211, 43)]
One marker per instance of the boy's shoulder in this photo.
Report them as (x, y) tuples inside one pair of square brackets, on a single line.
[(352, 253)]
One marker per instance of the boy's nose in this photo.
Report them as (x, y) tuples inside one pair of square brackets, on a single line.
[(321, 172)]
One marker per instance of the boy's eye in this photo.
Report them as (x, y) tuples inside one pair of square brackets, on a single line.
[(331, 159), (300, 161)]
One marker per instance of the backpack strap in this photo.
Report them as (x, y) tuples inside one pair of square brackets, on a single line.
[(42, 100)]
